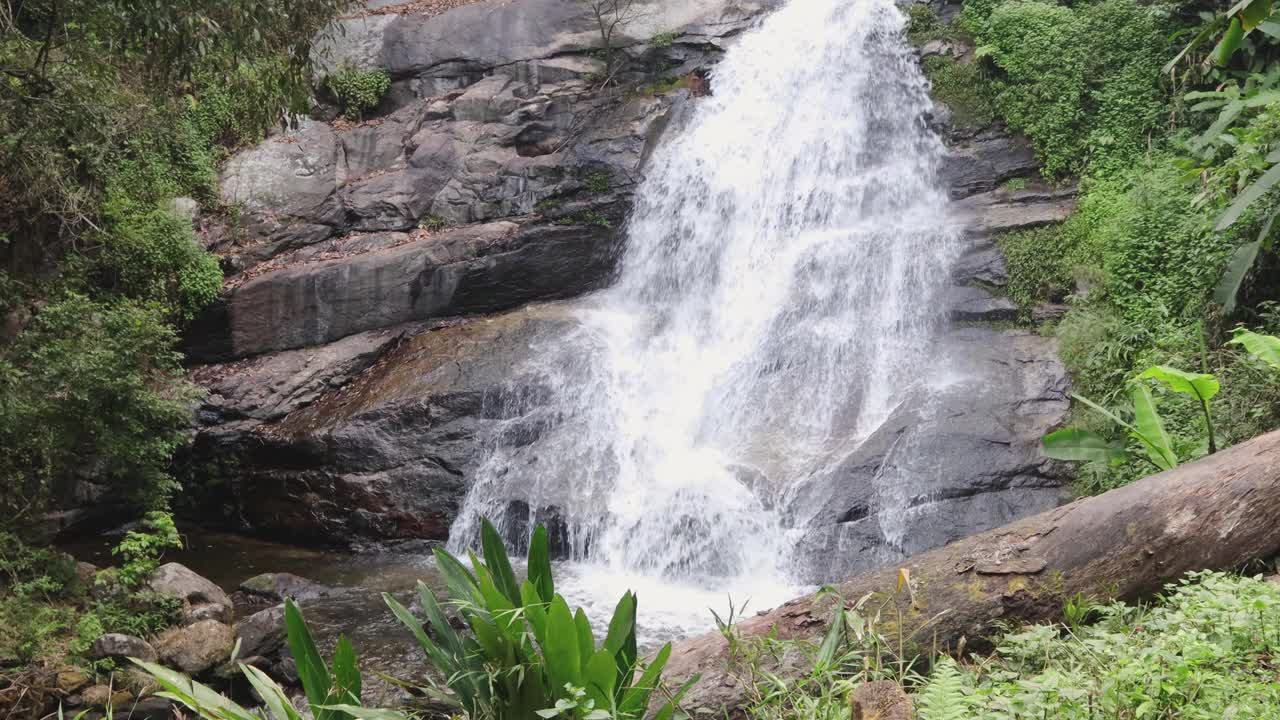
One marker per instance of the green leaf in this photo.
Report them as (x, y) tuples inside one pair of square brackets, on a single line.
[(312, 672), (540, 564), (833, 640), (601, 675), (621, 638), (1082, 445), (1264, 347), (636, 699), (1227, 116), (586, 639), (461, 582), (1247, 197), (1238, 267), (1270, 27), (535, 610), (560, 647), (668, 709), (1254, 13), (346, 672), (277, 702), (1105, 412), (1230, 41), (1150, 430), (499, 564), (1201, 386)]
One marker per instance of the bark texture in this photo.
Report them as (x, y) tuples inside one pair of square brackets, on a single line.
[(1216, 513)]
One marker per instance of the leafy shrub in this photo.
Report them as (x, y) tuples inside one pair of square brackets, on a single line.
[(100, 390), (142, 551), (1082, 81), (1204, 651), (526, 654), (358, 91), (962, 88)]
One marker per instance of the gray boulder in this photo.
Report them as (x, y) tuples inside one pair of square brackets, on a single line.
[(278, 586), (118, 645), (179, 581), (261, 633), (197, 647)]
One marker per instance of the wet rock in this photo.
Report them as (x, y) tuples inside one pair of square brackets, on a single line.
[(956, 458), (1003, 211), (195, 648), (387, 456), (276, 587), (981, 161), (261, 633), (117, 645), (975, 304)]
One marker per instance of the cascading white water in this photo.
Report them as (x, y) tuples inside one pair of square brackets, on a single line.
[(777, 292)]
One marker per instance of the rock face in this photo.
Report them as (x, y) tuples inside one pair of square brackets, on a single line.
[(349, 403), (117, 645)]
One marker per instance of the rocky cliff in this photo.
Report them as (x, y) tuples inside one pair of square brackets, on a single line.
[(388, 278)]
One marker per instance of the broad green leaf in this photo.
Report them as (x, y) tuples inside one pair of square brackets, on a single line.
[(601, 674), (1270, 27), (668, 709), (499, 564), (535, 610), (1247, 197), (312, 672), (560, 647), (1228, 115), (636, 699), (1082, 445), (1150, 430), (1201, 386), (278, 704), (1254, 13), (833, 641), (201, 699), (1230, 41), (440, 625), (540, 564), (1264, 347), (586, 639), (621, 639), (1107, 413), (1233, 276), (346, 672), (461, 582)]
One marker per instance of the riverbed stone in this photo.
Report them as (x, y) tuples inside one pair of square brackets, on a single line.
[(179, 581), (119, 645), (278, 586), (197, 647), (261, 633)]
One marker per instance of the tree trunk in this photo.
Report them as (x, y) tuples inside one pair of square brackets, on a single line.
[(1217, 513)]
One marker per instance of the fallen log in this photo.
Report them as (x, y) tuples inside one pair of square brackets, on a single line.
[(1217, 513)]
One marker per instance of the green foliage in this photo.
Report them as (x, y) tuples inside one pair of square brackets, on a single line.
[(48, 615), (524, 652), (599, 182), (664, 39), (99, 387), (433, 223), (142, 550), (1082, 81), (358, 91), (923, 24), (963, 88), (1204, 652)]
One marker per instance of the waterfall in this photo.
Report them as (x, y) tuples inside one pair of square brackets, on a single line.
[(778, 291)]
